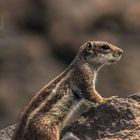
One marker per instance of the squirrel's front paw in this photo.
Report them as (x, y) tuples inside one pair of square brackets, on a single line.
[(106, 100)]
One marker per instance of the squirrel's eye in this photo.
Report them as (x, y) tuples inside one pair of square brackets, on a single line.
[(105, 47)]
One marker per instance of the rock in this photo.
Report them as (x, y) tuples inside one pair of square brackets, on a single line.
[(117, 119), (6, 134)]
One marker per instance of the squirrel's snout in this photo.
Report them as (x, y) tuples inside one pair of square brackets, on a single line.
[(118, 53)]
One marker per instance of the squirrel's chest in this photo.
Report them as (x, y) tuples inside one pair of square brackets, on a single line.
[(94, 79)]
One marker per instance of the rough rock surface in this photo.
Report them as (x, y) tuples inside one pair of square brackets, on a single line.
[(117, 120), (5, 134)]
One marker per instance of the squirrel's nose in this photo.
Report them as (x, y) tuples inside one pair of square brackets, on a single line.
[(120, 51)]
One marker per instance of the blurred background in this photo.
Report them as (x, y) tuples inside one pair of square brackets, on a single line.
[(39, 38)]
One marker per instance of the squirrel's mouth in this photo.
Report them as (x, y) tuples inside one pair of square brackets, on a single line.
[(115, 59), (112, 61)]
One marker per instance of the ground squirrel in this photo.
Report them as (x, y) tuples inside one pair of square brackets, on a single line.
[(72, 92)]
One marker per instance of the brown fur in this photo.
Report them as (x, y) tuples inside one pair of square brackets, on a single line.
[(68, 95)]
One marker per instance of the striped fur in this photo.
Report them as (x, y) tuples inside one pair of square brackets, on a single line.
[(64, 99)]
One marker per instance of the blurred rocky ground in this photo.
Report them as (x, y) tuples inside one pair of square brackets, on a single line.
[(38, 39)]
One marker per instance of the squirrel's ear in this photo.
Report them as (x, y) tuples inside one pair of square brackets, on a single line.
[(88, 46)]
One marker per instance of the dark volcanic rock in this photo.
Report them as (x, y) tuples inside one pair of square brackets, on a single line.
[(118, 119)]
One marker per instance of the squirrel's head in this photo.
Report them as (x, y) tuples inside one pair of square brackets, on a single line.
[(99, 53)]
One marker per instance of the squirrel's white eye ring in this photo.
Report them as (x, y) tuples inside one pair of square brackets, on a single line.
[(105, 47)]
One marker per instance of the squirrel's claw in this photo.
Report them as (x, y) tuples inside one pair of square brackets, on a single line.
[(106, 100)]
